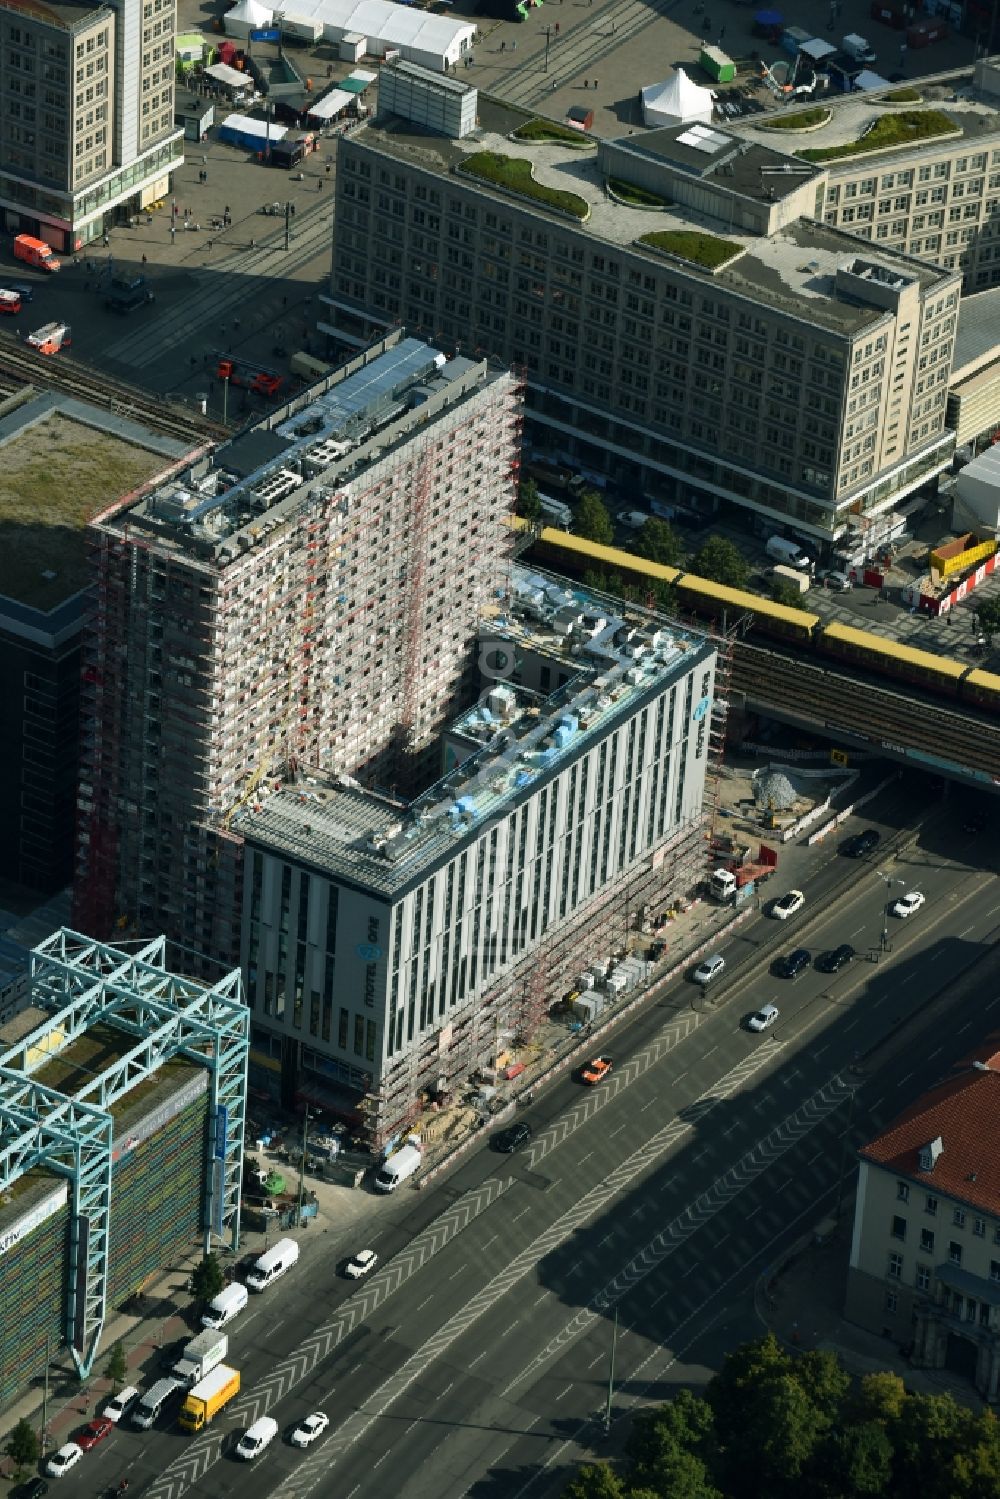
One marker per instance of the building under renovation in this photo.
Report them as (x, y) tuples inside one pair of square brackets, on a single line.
[(304, 596), (122, 1105), (392, 948)]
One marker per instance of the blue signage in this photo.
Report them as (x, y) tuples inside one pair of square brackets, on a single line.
[(368, 952), (701, 709), (266, 34)]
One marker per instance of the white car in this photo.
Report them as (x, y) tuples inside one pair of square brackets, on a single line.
[(256, 1438), (786, 905), (120, 1403), (308, 1430), (362, 1264), (709, 969), (907, 904), (60, 1462), (764, 1018)]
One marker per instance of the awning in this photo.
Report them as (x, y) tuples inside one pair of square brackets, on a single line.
[(231, 77), (331, 104), (817, 49)]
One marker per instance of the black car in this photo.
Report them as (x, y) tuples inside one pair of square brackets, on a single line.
[(793, 963), (33, 1489), (834, 960), (862, 843), (509, 1140), (171, 1354)]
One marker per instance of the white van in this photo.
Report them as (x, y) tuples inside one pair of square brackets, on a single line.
[(228, 1304), (788, 552), (398, 1168), (257, 1438), (155, 1398), (556, 510), (858, 48), (273, 1264)]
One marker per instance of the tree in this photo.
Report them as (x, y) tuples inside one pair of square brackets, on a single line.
[(744, 1369), (722, 562), (855, 1461), (594, 1481), (989, 617), (529, 501), (824, 1380), (880, 1397), (116, 1368), (207, 1279), (673, 1449), (784, 592), (658, 542), (22, 1445), (593, 519)]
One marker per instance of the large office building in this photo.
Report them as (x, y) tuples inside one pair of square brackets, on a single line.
[(303, 595), (394, 948), (87, 133), (727, 347), (925, 1255), (123, 1095)]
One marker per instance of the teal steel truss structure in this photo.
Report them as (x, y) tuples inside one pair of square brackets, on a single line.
[(82, 983)]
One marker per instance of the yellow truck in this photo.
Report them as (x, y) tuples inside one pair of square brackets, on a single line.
[(208, 1397)]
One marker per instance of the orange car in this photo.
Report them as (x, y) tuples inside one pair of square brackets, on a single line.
[(597, 1070)]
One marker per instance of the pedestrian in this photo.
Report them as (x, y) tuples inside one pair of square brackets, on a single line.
[(329, 169), (144, 260), (595, 82), (503, 46), (722, 32), (585, 83), (513, 46), (557, 28), (554, 85), (107, 241)]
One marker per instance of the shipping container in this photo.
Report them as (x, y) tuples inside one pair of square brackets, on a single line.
[(717, 65)]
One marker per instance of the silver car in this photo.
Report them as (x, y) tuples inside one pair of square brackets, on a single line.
[(709, 969)]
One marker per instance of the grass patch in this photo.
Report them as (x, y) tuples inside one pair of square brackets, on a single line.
[(516, 177), (550, 130), (902, 96), (55, 476), (706, 250), (801, 119), (901, 129), (638, 196)]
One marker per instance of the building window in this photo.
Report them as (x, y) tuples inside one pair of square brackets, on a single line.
[(923, 1280), (342, 1030), (955, 1253), (899, 1228), (927, 1240), (895, 1267), (958, 1218), (891, 1301), (930, 1205), (902, 1191), (995, 1270), (979, 1227)]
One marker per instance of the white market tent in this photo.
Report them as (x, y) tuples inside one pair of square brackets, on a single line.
[(869, 81), (435, 42), (331, 104), (231, 77), (676, 101)]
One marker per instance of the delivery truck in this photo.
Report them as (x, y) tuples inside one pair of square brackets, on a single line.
[(35, 252), (201, 1355), (208, 1396)]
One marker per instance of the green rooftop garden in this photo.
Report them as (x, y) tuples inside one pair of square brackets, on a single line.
[(902, 128), (799, 119), (627, 192), (550, 130), (901, 96), (706, 250), (516, 177)]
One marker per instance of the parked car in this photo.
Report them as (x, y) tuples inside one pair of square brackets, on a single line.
[(34, 1488), (308, 1430), (793, 963), (907, 904), (709, 969), (509, 1140), (836, 579), (834, 960), (862, 843), (362, 1264), (120, 1403), (764, 1018), (95, 1431), (60, 1463), (786, 905), (597, 1070)]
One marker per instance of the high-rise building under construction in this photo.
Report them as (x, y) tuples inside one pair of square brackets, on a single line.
[(304, 596)]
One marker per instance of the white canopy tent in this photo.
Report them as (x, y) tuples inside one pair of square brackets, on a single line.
[(331, 104), (678, 100), (817, 49), (231, 77), (435, 42), (870, 82)]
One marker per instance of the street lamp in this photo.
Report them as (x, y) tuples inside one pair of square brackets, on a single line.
[(887, 880), (611, 1376)]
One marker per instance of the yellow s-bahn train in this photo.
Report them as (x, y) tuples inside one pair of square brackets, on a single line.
[(940, 674)]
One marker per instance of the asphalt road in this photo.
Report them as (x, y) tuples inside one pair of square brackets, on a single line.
[(476, 1357)]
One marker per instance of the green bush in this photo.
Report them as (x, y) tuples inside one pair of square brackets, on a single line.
[(901, 96), (516, 176), (902, 128), (690, 244), (629, 193), (551, 130), (800, 119)]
